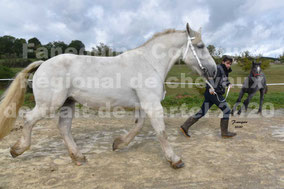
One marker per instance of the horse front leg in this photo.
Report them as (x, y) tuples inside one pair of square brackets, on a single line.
[(246, 102), (123, 141), (238, 101), (156, 114), (261, 101)]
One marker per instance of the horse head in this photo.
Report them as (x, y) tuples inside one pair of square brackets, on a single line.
[(197, 55), (256, 69)]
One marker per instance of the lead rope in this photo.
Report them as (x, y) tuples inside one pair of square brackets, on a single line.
[(217, 94), (226, 95), (189, 43)]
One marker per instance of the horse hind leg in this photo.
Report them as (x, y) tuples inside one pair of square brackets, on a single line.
[(44, 107), (23, 144), (64, 126), (123, 141), (262, 91)]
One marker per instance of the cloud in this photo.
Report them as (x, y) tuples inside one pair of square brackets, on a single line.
[(95, 12), (101, 36), (250, 26), (235, 25), (197, 18), (257, 6)]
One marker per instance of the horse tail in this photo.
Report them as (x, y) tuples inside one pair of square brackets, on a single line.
[(13, 99), (266, 90)]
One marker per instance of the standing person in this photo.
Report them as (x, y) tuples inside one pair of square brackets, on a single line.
[(220, 83)]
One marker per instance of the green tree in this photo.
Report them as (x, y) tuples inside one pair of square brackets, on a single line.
[(216, 53), (7, 45), (245, 63), (212, 50), (104, 50), (78, 45), (57, 47), (265, 63), (61, 45), (33, 44), (18, 46), (114, 53), (45, 51), (246, 54), (101, 49), (281, 58), (246, 59), (98, 51)]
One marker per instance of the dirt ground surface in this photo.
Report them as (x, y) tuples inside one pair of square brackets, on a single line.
[(252, 159)]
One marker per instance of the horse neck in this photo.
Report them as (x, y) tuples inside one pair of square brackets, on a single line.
[(162, 46)]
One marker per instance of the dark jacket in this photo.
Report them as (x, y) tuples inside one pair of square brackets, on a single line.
[(221, 81)]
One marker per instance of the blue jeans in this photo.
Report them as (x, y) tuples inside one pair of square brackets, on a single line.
[(209, 101)]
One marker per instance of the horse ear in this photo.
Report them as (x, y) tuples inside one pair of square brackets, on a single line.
[(197, 38), (188, 28)]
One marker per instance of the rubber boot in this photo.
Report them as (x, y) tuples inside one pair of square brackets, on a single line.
[(224, 129), (188, 123)]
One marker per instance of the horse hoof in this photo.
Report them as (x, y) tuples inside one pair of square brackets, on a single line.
[(177, 165), (116, 143), (13, 153), (80, 161)]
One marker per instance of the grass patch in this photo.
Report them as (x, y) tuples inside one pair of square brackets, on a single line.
[(16, 62), (271, 101), (181, 73), (190, 96)]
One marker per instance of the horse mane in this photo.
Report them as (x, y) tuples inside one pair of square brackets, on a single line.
[(158, 34)]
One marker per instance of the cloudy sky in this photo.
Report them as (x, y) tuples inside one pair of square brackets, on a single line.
[(234, 25)]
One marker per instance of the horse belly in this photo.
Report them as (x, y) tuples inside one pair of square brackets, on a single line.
[(111, 98)]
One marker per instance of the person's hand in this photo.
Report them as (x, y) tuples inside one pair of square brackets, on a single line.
[(230, 86), (211, 91)]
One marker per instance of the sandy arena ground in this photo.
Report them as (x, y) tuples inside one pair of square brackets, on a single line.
[(253, 159)]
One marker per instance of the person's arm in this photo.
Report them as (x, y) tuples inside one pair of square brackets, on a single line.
[(228, 83), (216, 81)]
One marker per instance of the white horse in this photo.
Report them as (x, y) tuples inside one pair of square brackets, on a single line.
[(151, 62)]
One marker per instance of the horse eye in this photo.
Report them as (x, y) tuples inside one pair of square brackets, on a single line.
[(200, 45)]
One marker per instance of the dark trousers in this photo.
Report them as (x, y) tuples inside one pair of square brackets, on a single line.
[(211, 100)]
